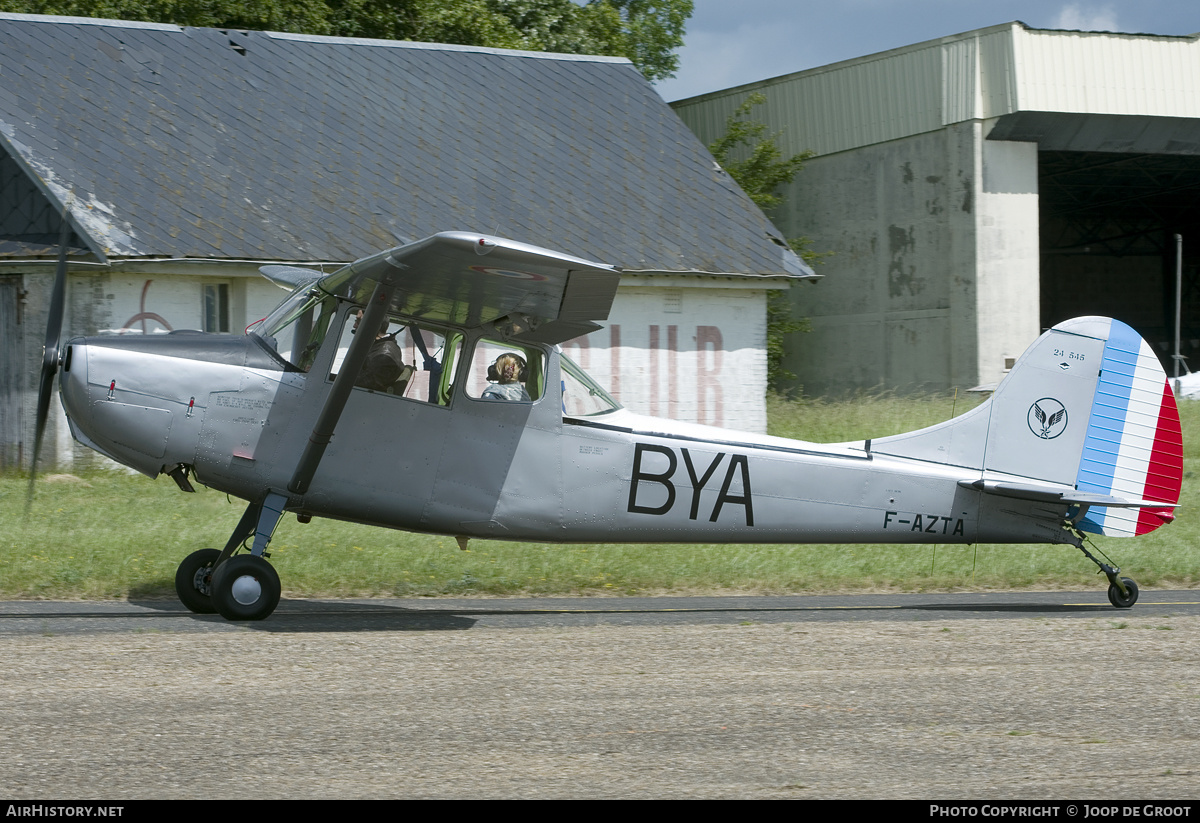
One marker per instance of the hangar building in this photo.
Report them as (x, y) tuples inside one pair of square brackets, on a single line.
[(976, 189)]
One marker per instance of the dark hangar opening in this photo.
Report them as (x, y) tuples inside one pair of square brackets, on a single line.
[(1108, 222)]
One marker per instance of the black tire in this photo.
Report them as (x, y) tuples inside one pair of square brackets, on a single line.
[(193, 581), (245, 587), (1122, 601)]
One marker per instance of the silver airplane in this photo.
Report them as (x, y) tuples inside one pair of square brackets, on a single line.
[(304, 415)]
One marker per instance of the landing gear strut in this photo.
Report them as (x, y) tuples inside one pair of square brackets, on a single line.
[(242, 587), (1122, 591)]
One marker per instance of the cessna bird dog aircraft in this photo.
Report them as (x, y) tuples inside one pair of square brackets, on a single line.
[(304, 414)]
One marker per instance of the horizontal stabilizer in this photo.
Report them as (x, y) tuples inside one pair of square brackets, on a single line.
[(1023, 491)]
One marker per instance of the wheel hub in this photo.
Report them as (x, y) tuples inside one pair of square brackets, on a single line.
[(201, 580), (246, 590)]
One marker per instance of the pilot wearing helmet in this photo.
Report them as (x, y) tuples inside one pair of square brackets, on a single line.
[(506, 377)]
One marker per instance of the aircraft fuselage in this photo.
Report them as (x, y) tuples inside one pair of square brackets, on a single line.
[(519, 471)]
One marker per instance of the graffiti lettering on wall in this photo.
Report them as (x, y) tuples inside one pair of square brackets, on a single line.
[(142, 316), (668, 367)]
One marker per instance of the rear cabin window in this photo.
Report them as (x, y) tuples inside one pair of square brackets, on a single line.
[(504, 372)]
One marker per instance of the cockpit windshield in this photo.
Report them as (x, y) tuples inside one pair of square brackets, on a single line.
[(297, 327), (581, 395)]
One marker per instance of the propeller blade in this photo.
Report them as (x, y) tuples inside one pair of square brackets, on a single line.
[(50, 352)]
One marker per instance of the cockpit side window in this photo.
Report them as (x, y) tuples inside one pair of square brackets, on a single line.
[(506, 371), (581, 395), (405, 360)]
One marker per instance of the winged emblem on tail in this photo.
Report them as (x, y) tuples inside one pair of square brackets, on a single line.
[(1048, 422)]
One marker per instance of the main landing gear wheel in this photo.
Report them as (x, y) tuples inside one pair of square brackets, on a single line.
[(245, 587), (1123, 601), (193, 581)]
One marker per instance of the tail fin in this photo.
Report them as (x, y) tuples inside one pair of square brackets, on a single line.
[(1086, 408), (1089, 405)]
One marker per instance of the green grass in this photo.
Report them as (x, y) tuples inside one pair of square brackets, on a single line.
[(871, 414), (111, 535)]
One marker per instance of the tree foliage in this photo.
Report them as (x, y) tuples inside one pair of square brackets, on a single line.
[(754, 160), (646, 31), (752, 157)]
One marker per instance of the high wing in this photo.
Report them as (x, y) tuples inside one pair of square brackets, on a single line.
[(473, 280)]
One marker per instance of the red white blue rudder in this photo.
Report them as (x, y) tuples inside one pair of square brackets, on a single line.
[(1134, 446)]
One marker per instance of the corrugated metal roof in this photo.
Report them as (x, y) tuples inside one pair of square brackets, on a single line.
[(189, 142), (980, 74)]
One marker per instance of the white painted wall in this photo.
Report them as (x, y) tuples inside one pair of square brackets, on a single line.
[(148, 302), (694, 354), (1007, 258)]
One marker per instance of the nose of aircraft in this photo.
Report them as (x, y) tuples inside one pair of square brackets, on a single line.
[(132, 434), (73, 391), (73, 379)]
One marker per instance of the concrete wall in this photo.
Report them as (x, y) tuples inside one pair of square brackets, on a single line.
[(933, 279)]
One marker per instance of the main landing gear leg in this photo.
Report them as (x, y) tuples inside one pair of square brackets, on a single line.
[(1122, 591), (245, 587)]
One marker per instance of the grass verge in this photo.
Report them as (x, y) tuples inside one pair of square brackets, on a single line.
[(111, 535)]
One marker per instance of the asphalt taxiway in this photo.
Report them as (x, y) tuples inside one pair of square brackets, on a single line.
[(427, 614), (949, 695)]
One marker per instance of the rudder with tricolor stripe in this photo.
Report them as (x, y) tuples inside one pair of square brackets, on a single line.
[(1134, 445)]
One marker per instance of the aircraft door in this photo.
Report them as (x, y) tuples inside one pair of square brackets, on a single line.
[(382, 461), (499, 473)]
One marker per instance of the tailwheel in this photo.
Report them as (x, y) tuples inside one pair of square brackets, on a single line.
[(245, 587), (1122, 591), (1123, 600), (193, 581)]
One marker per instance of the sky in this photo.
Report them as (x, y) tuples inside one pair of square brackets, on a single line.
[(731, 42)]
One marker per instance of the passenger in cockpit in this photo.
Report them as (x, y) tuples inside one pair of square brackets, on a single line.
[(505, 378)]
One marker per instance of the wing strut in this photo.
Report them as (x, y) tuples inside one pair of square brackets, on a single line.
[(322, 431)]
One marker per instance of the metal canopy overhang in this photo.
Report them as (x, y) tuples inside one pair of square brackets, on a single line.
[(1117, 184), (1115, 133)]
